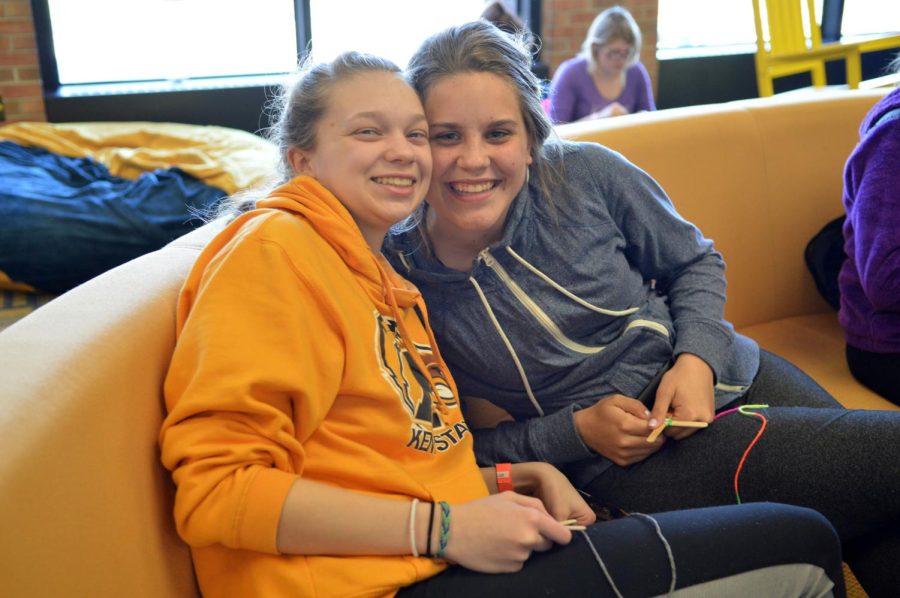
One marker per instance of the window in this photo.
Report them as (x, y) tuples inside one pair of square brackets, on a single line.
[(392, 29), (113, 41), (865, 17), (139, 40), (726, 26)]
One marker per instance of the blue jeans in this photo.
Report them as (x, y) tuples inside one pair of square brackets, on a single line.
[(794, 550), (65, 220)]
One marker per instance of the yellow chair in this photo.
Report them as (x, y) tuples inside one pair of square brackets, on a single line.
[(794, 45)]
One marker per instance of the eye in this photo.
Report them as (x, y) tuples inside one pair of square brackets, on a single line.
[(367, 132), (445, 137), (418, 136), (497, 135)]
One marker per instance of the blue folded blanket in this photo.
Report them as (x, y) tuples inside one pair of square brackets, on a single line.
[(65, 220)]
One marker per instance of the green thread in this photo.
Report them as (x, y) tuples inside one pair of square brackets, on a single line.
[(444, 536)]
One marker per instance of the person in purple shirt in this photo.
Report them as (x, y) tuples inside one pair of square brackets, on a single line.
[(870, 276), (606, 79)]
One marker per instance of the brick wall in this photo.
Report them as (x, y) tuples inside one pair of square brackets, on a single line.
[(20, 77), (564, 23)]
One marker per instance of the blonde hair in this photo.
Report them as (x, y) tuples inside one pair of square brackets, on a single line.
[(614, 23), (894, 66), (295, 113)]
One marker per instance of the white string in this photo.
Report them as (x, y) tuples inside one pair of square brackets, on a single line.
[(665, 543), (603, 568), (662, 538), (412, 527)]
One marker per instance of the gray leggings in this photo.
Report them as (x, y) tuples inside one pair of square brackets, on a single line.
[(814, 453)]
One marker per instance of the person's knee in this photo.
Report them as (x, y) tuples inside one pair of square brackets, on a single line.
[(808, 532)]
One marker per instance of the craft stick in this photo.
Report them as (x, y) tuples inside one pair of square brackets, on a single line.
[(655, 433), (570, 523), (677, 423), (686, 424)]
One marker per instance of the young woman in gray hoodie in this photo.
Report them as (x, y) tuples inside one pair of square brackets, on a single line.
[(563, 285)]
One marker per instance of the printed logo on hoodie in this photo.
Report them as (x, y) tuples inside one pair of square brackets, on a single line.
[(429, 429)]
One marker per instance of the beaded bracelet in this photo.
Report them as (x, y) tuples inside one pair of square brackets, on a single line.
[(445, 530)]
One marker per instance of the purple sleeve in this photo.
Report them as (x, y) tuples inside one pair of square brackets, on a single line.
[(875, 215), (644, 93), (563, 93)]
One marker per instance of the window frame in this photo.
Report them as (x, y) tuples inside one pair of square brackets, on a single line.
[(528, 10), (830, 27)]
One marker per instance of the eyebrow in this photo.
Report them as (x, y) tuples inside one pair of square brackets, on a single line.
[(503, 122), (379, 115)]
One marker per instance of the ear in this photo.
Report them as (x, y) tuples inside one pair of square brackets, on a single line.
[(300, 161)]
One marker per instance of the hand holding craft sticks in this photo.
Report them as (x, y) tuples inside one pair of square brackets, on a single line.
[(674, 422), (572, 525)]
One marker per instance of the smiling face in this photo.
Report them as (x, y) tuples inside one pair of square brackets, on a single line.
[(371, 151), (480, 149)]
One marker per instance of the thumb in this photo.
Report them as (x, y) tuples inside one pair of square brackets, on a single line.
[(660, 407)]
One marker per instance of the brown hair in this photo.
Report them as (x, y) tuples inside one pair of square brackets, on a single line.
[(480, 47)]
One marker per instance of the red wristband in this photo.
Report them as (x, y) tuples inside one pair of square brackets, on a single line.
[(504, 477)]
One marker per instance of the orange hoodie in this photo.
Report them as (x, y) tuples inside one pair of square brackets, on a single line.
[(300, 353)]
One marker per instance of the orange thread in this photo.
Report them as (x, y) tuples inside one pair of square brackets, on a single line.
[(743, 411)]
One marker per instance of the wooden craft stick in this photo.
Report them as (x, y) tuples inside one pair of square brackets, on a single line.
[(686, 424), (655, 433), (674, 422), (570, 523)]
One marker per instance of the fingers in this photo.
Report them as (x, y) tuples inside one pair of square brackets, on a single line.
[(552, 531), (633, 407), (661, 406), (583, 514), (526, 501)]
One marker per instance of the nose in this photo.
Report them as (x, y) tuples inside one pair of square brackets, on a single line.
[(474, 155), (399, 149)]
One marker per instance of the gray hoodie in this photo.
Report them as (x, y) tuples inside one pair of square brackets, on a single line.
[(588, 297)]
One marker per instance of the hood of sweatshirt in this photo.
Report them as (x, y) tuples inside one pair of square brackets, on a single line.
[(307, 197), (391, 293)]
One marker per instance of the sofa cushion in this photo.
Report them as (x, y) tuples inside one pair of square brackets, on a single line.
[(815, 344), (85, 503)]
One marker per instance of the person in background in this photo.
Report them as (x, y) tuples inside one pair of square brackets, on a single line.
[(315, 435), (564, 287), (607, 78), (869, 279), (499, 14)]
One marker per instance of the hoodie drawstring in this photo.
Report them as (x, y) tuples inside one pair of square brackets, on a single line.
[(509, 346)]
